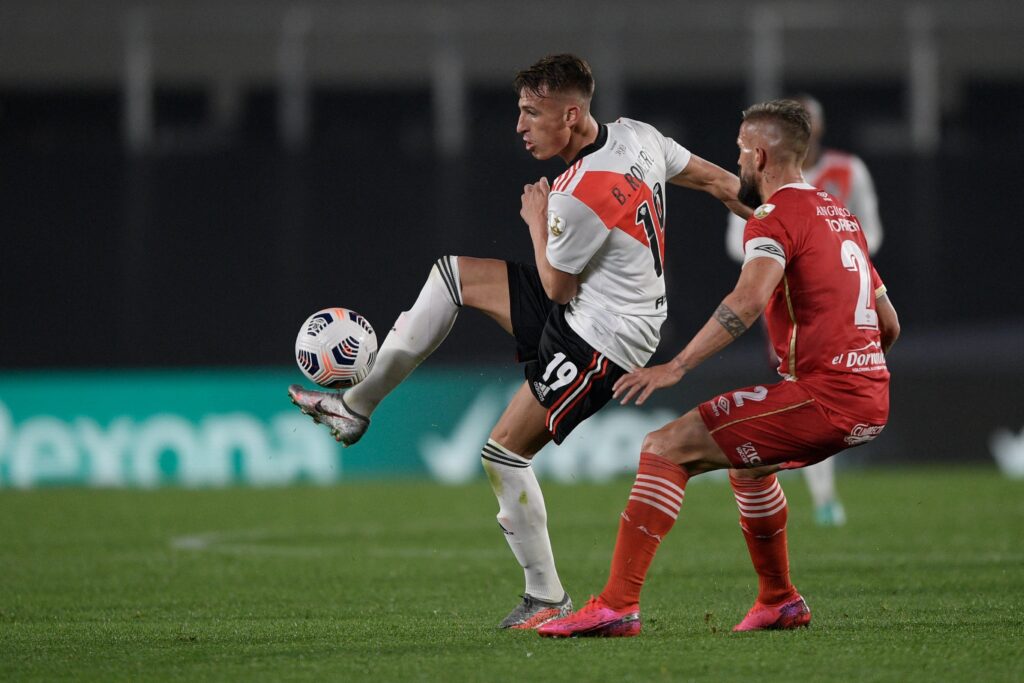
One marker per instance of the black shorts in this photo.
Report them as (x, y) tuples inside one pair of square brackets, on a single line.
[(566, 374)]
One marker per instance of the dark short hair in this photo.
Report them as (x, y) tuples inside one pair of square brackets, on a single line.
[(556, 73), (791, 117)]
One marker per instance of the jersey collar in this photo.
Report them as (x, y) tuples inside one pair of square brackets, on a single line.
[(598, 143)]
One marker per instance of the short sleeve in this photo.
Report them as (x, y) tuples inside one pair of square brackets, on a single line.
[(765, 237), (575, 233), (876, 282), (677, 157)]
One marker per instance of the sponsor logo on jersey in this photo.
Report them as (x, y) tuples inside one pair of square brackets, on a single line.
[(763, 210), (556, 224), (748, 453), (720, 405), (772, 249), (541, 390), (865, 359), (863, 433)]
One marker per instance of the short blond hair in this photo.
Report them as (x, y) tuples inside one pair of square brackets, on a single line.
[(792, 119)]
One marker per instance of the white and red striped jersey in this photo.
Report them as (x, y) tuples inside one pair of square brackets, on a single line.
[(606, 222), (845, 177)]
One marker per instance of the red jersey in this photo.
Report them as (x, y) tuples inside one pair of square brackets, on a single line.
[(821, 319)]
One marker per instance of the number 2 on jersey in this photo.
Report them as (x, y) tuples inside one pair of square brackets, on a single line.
[(654, 225), (864, 315)]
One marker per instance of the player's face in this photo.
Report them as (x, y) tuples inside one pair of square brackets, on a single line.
[(749, 193), (544, 123)]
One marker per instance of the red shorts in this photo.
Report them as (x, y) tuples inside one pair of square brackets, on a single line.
[(780, 424)]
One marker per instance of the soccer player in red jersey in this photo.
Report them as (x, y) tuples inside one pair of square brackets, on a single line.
[(586, 312), (806, 267), (844, 176)]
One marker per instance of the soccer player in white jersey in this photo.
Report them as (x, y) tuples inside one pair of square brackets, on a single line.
[(585, 313), (845, 177)]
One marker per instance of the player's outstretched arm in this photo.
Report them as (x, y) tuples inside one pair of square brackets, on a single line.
[(733, 317), (705, 176), (888, 322), (558, 285)]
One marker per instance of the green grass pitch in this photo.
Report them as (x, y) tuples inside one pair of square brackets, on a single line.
[(406, 581)]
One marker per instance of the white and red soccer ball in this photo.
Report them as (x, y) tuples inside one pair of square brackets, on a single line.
[(336, 348)]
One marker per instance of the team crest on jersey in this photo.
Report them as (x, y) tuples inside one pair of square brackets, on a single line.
[(763, 210), (556, 224)]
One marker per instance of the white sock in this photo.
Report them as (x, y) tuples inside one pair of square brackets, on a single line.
[(821, 480), (414, 336), (523, 518)]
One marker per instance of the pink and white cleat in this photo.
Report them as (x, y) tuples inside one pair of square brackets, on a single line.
[(595, 619), (328, 408), (792, 613)]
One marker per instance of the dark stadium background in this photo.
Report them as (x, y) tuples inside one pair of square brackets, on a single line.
[(208, 240)]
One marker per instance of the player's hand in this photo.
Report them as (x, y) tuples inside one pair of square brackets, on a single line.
[(643, 382), (535, 203)]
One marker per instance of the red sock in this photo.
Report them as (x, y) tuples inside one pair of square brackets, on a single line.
[(763, 513), (650, 513)]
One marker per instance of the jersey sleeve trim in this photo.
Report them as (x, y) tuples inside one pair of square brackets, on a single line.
[(880, 291), (764, 247)]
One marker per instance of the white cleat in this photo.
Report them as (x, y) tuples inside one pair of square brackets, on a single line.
[(328, 408)]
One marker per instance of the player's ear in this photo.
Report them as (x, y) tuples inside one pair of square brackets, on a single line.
[(760, 158), (572, 115)]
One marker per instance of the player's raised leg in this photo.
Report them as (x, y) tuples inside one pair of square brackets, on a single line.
[(522, 515), (452, 283), (414, 335)]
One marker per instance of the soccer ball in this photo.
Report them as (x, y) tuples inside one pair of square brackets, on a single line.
[(336, 348)]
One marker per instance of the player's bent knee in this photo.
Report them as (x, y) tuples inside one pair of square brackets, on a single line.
[(687, 442), (683, 435), (657, 442)]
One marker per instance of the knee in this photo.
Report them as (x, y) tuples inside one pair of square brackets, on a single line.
[(657, 442), (678, 439)]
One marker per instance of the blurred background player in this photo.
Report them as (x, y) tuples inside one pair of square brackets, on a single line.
[(845, 177), (589, 310), (807, 269)]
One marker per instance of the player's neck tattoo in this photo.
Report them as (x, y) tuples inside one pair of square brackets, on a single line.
[(729, 320)]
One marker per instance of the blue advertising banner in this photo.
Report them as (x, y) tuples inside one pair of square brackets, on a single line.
[(207, 428)]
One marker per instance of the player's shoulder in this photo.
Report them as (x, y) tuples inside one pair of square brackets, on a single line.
[(585, 193), (762, 212), (599, 170), (635, 127), (566, 179), (787, 201), (627, 122)]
